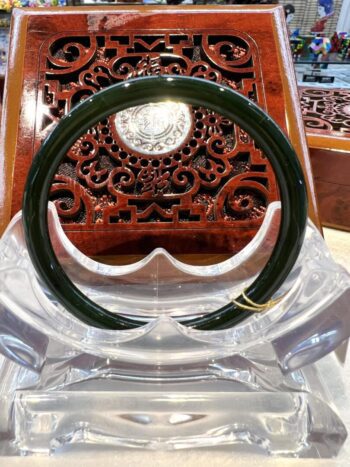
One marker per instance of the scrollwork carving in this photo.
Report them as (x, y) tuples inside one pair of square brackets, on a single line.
[(326, 109), (226, 54), (69, 54), (206, 172)]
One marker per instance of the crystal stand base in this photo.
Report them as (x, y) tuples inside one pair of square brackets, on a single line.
[(170, 416)]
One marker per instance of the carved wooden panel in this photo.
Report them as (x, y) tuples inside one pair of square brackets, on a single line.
[(326, 114), (198, 170), (191, 181), (326, 110)]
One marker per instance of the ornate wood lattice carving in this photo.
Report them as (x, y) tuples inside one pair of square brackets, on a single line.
[(326, 110), (215, 177)]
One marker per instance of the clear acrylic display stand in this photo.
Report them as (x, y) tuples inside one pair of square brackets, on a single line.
[(64, 384)]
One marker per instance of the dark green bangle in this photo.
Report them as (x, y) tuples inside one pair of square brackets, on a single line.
[(268, 137)]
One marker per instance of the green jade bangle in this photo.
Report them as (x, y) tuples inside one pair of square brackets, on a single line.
[(268, 137)]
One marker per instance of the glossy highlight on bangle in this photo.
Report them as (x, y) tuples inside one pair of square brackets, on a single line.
[(194, 91)]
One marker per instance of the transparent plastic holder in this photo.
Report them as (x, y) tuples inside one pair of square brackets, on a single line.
[(262, 369)]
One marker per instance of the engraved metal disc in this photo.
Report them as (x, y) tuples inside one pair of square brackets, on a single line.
[(154, 129), (346, 109)]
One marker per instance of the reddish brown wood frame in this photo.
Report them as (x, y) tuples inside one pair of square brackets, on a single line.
[(209, 195), (2, 79)]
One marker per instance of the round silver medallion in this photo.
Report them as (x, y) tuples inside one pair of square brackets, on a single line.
[(346, 109), (154, 129)]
